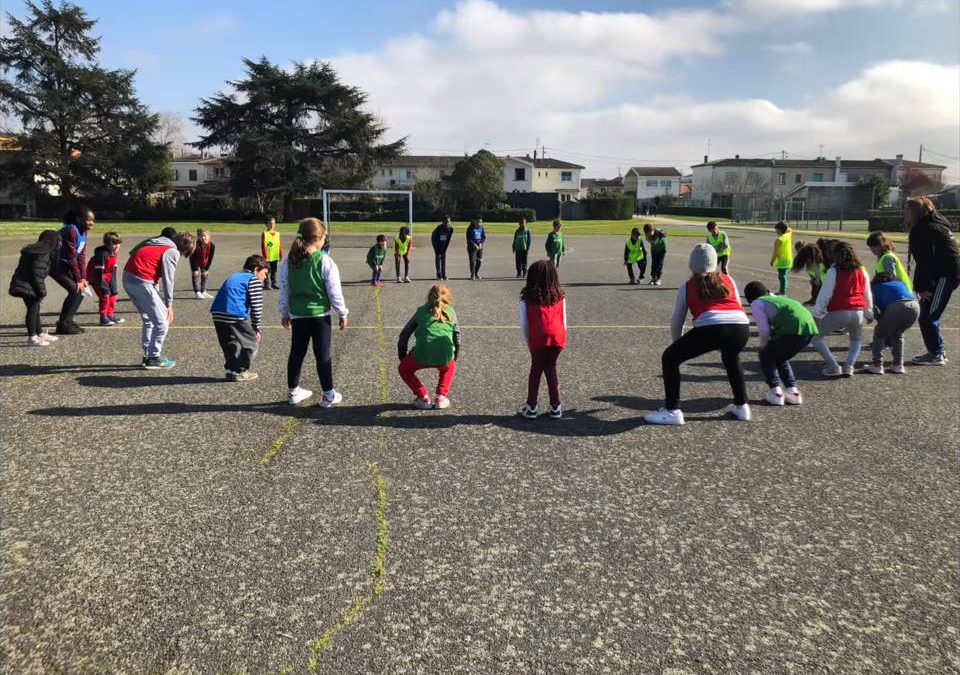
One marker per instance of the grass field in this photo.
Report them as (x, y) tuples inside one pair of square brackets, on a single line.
[(617, 227)]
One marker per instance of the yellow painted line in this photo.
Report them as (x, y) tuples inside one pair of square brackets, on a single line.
[(286, 433)]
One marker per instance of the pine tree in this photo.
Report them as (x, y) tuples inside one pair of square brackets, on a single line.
[(293, 132)]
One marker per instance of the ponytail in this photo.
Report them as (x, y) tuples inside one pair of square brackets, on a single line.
[(311, 231), (438, 299)]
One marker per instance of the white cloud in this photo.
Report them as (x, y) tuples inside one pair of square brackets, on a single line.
[(786, 8), (798, 48), (482, 73), (212, 25)]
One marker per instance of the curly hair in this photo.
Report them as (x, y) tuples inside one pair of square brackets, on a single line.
[(845, 258), (808, 255), (543, 284)]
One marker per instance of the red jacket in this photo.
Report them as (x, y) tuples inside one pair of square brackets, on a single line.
[(850, 291)]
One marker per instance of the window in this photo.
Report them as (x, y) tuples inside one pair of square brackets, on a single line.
[(176, 174), (192, 175), (818, 178), (798, 178), (666, 183), (519, 174), (652, 183), (566, 176), (411, 175), (782, 178)]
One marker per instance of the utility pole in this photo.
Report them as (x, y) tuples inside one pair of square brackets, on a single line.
[(708, 148), (920, 158), (783, 155), (820, 152)]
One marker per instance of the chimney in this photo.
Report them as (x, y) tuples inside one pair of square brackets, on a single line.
[(736, 156), (534, 154), (837, 176), (705, 159)]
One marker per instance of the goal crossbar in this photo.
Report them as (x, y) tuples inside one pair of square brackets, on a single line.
[(325, 194)]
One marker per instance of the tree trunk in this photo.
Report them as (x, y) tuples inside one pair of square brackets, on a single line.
[(287, 206)]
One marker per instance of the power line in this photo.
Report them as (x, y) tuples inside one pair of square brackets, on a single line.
[(940, 154)]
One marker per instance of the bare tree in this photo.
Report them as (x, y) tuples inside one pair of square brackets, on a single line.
[(170, 132)]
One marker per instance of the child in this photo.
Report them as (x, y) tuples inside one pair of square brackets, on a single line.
[(809, 258), (635, 252), (151, 261), (375, 257), (200, 261), (898, 309), (887, 261), (843, 303), (309, 289), (102, 275), (658, 251), (70, 266), (237, 313), (785, 327), (434, 326), (782, 257), (402, 248), (476, 237), (271, 249), (521, 247), (719, 323), (440, 239), (555, 247), (29, 283), (543, 321), (718, 239)]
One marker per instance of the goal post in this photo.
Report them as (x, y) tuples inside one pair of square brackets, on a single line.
[(326, 194)]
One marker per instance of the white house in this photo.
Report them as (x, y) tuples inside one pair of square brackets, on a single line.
[(533, 174), (197, 171), (648, 183), (402, 172)]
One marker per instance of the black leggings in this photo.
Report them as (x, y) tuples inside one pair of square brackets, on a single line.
[(728, 338), (71, 303), (273, 272), (406, 264), (33, 316), (318, 330)]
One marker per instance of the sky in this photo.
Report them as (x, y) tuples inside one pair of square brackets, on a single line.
[(607, 85)]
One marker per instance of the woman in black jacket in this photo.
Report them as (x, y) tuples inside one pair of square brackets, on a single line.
[(29, 283)]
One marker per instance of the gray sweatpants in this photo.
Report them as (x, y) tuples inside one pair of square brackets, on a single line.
[(850, 320), (153, 313), (894, 322)]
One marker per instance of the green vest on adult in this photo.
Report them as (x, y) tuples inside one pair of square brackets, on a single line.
[(308, 288), (719, 242), (635, 251), (434, 339), (792, 318), (901, 271)]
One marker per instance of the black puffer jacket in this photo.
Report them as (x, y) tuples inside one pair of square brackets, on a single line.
[(29, 279), (934, 250)]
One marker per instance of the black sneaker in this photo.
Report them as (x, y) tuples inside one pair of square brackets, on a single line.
[(68, 329), (75, 325)]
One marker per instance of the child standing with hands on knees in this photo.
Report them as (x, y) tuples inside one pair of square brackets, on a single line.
[(272, 250), (200, 261), (237, 313), (719, 324), (437, 334), (785, 327), (402, 248), (887, 261), (543, 320), (658, 251), (102, 275), (375, 257), (309, 290)]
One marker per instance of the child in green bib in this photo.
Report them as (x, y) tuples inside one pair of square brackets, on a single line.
[(657, 239), (635, 253), (554, 245), (785, 327), (375, 257), (782, 257), (436, 331)]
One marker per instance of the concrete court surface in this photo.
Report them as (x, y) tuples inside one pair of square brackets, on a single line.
[(170, 522)]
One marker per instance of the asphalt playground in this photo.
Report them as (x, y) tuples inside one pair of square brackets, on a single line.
[(171, 522)]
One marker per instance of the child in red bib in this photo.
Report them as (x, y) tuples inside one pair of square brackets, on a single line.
[(543, 320), (719, 324), (102, 275)]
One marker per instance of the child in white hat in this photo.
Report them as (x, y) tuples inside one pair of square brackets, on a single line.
[(719, 324)]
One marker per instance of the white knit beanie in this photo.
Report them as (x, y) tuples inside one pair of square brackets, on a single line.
[(703, 259)]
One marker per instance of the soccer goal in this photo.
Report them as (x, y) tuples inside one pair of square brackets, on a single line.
[(361, 232)]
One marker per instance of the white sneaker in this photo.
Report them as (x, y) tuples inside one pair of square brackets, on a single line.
[(741, 412), (441, 402), (198, 295), (832, 372), (406, 280), (873, 368), (556, 412), (897, 369), (399, 280), (36, 341), (422, 403), (775, 396), (49, 337), (330, 399), (658, 282), (793, 396), (529, 412), (664, 416), (847, 369), (207, 296), (298, 394)]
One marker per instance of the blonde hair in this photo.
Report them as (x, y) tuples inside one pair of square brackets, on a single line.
[(311, 231), (438, 299), (923, 204), (202, 231)]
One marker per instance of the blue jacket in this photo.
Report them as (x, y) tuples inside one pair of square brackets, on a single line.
[(231, 300), (888, 292)]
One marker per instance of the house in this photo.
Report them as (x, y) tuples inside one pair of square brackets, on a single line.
[(200, 173), (541, 175), (649, 183), (402, 172), (751, 185), (16, 194), (589, 186)]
